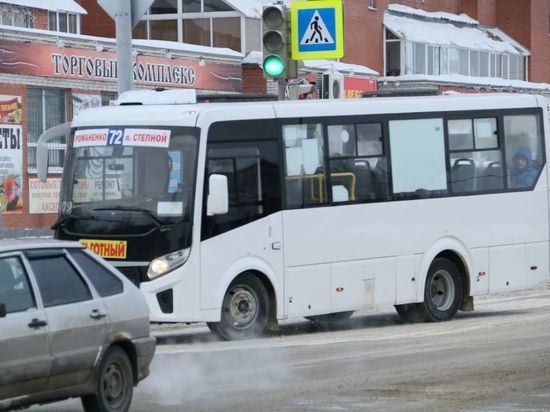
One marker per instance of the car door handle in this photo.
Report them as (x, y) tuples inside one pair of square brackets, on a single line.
[(97, 314), (37, 323)]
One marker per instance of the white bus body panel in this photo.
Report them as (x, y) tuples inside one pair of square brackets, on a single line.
[(351, 257)]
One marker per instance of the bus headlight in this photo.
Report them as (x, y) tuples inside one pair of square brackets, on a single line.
[(167, 263)]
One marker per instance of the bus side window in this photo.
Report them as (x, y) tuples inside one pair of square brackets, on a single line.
[(357, 162), (305, 169), (247, 153), (524, 150), (474, 156), (418, 163)]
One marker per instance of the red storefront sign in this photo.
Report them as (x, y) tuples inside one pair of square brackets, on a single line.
[(355, 87), (84, 64)]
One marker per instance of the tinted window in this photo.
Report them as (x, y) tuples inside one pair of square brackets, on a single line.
[(58, 281), (104, 281), (247, 153), (524, 150), (15, 291)]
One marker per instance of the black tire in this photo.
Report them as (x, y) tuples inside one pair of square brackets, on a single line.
[(442, 295), (115, 384), (331, 317), (245, 310)]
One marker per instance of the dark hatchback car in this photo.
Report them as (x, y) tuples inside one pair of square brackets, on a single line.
[(70, 326)]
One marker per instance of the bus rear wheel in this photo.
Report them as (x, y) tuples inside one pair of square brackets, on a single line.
[(245, 310), (442, 295)]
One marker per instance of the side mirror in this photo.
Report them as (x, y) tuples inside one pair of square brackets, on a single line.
[(61, 130), (218, 195), (3, 311)]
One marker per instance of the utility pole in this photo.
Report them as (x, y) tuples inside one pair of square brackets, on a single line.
[(126, 14), (123, 23)]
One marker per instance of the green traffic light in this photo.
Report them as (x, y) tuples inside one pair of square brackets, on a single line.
[(273, 66)]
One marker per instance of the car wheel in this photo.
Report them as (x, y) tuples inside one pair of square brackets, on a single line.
[(245, 310), (442, 295), (331, 317), (115, 384)]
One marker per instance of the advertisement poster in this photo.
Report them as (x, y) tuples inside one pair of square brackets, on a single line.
[(85, 101), (44, 197), (355, 87), (11, 154)]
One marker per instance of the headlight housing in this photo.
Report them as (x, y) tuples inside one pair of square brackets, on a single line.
[(167, 263)]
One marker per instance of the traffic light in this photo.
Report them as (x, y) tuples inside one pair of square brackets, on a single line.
[(277, 63)]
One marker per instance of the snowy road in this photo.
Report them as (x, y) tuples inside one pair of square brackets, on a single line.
[(495, 359)]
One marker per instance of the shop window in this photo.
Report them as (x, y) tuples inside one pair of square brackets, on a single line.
[(419, 58), (52, 21), (227, 33), (524, 150), (164, 7), (463, 62), (18, 16), (505, 66), (45, 109), (453, 61), (140, 30), (474, 63), (63, 22), (484, 64), (196, 31), (164, 30), (192, 6)]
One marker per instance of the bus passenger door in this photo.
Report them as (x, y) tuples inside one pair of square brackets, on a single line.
[(249, 236)]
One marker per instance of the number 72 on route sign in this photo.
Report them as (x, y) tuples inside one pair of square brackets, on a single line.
[(317, 29)]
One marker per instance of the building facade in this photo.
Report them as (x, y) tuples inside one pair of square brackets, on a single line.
[(526, 22), (49, 70)]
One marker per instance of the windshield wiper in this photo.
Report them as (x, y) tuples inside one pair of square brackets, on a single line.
[(70, 218), (146, 212)]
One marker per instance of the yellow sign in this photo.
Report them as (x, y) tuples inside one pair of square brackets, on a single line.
[(108, 249), (317, 29)]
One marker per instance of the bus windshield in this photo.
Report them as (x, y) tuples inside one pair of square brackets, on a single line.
[(151, 170)]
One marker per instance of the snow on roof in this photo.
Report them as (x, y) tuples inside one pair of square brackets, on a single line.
[(256, 57), (446, 34), (53, 5), (156, 44), (469, 80), (345, 68), (455, 18), (252, 8)]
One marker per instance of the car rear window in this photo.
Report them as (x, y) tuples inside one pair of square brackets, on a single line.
[(58, 280), (104, 281)]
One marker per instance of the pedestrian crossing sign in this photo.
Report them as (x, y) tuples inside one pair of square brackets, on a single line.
[(317, 29)]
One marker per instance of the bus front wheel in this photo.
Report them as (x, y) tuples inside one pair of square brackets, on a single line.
[(442, 295), (245, 310)]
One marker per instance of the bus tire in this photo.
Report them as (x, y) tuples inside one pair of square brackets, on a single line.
[(442, 295), (245, 310), (331, 317)]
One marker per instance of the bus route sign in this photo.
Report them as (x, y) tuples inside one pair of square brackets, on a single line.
[(317, 30)]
